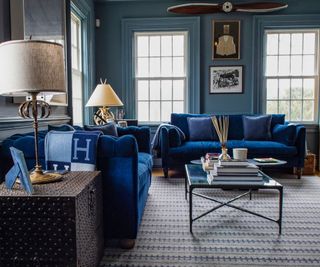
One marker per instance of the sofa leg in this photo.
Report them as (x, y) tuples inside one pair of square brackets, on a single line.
[(127, 243), (166, 172), (299, 173)]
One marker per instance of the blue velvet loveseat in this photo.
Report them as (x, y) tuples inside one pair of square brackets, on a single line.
[(176, 152), (126, 166)]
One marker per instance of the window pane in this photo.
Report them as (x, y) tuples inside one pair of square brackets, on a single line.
[(284, 44), (178, 66), (143, 90), (155, 90), (155, 111), (166, 45), (284, 89), (272, 89), (178, 107), (284, 108), (143, 67), (309, 43), (74, 58), (272, 107), (296, 43), (178, 45), (166, 66), (272, 44), (308, 65), (178, 90), (308, 110), (166, 90), (74, 32), (296, 65), (155, 67), (166, 110), (142, 46), (143, 111), (308, 89), (296, 89), (296, 111), (272, 66), (155, 46), (284, 65)]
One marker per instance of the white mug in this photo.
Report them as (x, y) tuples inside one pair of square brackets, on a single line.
[(240, 153)]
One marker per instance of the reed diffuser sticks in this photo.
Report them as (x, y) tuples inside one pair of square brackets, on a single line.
[(222, 126)]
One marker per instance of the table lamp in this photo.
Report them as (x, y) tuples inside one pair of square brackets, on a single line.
[(104, 97), (31, 67)]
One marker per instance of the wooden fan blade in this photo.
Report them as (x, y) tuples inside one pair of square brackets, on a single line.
[(259, 7), (195, 8)]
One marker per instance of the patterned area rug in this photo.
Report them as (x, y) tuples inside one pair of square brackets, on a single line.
[(226, 237)]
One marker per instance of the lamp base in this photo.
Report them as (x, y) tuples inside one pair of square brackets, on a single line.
[(44, 178), (103, 115)]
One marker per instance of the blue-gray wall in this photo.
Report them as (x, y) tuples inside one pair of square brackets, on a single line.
[(108, 47), (108, 50)]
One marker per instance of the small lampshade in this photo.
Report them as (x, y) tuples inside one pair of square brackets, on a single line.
[(104, 96), (31, 66)]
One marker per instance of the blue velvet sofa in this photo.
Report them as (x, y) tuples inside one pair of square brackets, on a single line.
[(126, 166), (176, 152)]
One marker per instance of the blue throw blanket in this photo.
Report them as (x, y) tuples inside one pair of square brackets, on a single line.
[(72, 150), (155, 143)]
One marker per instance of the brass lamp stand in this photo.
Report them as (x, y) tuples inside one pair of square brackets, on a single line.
[(37, 176)]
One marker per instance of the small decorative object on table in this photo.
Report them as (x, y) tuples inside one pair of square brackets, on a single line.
[(222, 125), (18, 170)]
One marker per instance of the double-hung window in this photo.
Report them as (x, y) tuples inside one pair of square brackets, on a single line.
[(292, 73), (160, 75)]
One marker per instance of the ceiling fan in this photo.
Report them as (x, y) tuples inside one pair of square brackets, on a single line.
[(206, 8)]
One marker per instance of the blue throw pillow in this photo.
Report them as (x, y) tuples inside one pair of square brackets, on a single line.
[(257, 127), (284, 133), (201, 129), (60, 128), (107, 129)]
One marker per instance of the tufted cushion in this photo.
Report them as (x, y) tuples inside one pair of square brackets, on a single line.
[(107, 129), (284, 133), (256, 127)]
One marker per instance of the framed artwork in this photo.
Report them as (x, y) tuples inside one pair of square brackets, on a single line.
[(19, 170), (225, 39), (226, 79)]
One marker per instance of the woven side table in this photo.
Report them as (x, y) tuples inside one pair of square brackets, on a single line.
[(60, 225)]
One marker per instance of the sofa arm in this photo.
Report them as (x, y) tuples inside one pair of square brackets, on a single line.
[(301, 143), (118, 163), (142, 135)]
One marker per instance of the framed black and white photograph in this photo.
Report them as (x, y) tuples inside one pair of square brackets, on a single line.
[(226, 80), (226, 39)]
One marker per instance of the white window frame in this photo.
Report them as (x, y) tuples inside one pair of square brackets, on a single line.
[(316, 76), (77, 71), (161, 78)]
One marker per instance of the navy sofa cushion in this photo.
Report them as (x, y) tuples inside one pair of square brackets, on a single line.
[(284, 133), (181, 120), (146, 159), (107, 129), (201, 129), (61, 128), (257, 127), (263, 148)]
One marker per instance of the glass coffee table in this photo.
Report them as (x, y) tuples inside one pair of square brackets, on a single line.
[(197, 178)]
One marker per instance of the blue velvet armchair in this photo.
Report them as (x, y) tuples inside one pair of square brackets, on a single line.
[(126, 166)]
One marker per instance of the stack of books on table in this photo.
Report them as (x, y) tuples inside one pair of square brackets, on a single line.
[(235, 171)]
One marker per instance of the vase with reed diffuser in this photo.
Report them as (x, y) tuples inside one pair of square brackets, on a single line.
[(222, 126)]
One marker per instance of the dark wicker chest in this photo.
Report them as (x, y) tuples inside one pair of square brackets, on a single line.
[(60, 225)]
